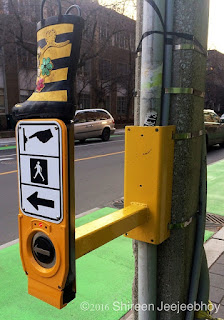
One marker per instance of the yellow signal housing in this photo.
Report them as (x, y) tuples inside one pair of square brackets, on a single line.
[(149, 154), (50, 280)]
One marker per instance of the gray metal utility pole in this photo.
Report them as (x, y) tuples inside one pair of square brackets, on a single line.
[(137, 123), (181, 105)]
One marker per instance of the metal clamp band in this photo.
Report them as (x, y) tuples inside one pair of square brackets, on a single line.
[(189, 135), (190, 46), (185, 91)]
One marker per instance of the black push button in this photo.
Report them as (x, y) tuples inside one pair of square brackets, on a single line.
[(43, 250)]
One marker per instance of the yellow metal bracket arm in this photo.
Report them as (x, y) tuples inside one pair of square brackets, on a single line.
[(98, 232)]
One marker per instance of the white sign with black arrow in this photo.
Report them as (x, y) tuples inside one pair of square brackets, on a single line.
[(40, 169)]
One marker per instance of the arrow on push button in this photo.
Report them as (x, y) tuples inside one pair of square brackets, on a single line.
[(41, 251)]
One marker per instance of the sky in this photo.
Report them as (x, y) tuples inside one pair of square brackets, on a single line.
[(216, 23)]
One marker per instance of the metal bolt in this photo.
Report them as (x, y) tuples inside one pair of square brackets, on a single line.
[(23, 209), (56, 128), (20, 127)]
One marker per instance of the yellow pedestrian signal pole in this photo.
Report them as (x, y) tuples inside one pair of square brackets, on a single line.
[(45, 212)]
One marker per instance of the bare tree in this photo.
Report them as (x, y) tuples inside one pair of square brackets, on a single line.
[(215, 80)]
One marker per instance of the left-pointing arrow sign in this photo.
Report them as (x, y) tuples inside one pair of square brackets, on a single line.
[(35, 201)]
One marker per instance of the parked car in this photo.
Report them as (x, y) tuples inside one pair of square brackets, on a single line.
[(93, 123), (214, 127)]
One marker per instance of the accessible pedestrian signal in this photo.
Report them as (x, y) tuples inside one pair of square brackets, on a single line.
[(46, 218)]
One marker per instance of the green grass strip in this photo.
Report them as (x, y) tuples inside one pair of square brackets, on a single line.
[(104, 276), (215, 201), (7, 148)]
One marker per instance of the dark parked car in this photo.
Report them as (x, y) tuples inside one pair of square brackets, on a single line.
[(214, 127)]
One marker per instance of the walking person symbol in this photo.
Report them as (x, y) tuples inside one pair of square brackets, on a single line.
[(39, 171)]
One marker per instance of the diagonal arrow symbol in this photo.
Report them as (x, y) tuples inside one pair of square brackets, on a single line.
[(35, 201)]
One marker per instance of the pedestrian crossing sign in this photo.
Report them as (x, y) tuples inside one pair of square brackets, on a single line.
[(40, 169)]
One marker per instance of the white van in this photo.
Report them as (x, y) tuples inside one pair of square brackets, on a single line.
[(93, 123)]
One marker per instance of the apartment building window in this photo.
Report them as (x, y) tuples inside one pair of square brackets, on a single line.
[(2, 102), (122, 69), (121, 105), (104, 33), (84, 101), (105, 69), (85, 70), (132, 42), (108, 103), (26, 59)]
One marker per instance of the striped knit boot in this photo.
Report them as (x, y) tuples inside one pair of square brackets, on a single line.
[(58, 42)]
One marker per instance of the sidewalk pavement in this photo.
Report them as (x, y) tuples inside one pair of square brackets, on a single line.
[(215, 254)]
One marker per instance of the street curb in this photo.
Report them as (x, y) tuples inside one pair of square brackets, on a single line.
[(9, 244), (87, 212)]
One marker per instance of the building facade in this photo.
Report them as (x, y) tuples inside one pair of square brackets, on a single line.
[(105, 76), (214, 98)]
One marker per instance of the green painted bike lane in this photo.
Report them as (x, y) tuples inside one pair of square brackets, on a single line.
[(7, 147), (104, 281), (104, 276), (215, 197)]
